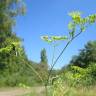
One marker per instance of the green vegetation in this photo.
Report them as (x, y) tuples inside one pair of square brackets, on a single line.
[(75, 80), (78, 78), (81, 71), (86, 55), (15, 68)]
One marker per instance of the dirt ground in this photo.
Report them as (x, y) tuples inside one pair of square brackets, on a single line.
[(19, 91)]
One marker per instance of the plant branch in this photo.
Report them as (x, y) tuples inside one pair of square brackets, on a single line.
[(53, 55), (61, 54)]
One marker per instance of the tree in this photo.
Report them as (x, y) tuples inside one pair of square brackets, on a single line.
[(13, 59), (43, 56), (9, 9), (43, 66), (9, 42), (86, 56)]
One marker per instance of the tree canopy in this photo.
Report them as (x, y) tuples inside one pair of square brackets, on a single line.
[(86, 55)]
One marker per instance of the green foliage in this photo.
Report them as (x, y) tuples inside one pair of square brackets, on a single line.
[(82, 69), (75, 75), (14, 65), (85, 56), (23, 86), (9, 42), (75, 81), (8, 11), (62, 89), (43, 56), (51, 39), (74, 78), (79, 22), (43, 65)]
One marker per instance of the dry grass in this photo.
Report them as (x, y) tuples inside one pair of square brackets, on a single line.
[(69, 92)]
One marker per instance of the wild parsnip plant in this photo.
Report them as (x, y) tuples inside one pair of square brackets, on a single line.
[(57, 86), (77, 26)]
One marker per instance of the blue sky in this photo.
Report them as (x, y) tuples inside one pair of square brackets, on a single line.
[(50, 17)]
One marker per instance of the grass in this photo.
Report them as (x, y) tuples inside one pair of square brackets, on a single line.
[(36, 91), (70, 92), (67, 91)]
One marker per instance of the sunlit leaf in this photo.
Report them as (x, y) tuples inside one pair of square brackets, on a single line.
[(92, 18), (59, 38), (46, 38)]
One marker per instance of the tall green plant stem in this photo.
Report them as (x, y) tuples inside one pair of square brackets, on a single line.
[(54, 47), (54, 63), (46, 83)]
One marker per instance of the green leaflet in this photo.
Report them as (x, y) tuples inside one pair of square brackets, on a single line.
[(92, 18), (77, 22), (51, 39), (54, 38)]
